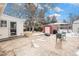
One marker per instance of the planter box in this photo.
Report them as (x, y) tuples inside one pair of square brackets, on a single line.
[(28, 34)]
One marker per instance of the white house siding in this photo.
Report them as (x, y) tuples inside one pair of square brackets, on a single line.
[(5, 31), (76, 26), (19, 28)]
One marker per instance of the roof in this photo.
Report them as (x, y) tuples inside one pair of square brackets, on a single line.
[(76, 21), (7, 17), (56, 23)]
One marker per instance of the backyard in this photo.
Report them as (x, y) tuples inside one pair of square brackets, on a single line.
[(30, 29), (40, 45)]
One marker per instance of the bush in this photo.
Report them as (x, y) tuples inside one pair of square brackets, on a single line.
[(38, 29)]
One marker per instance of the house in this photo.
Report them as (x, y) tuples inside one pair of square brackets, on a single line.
[(75, 26), (63, 27), (10, 26), (60, 27)]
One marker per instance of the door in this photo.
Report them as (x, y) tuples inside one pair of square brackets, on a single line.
[(12, 28), (47, 30)]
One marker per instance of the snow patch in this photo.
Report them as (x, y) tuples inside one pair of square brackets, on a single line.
[(77, 53), (34, 44)]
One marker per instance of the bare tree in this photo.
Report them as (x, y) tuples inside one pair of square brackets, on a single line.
[(31, 9), (73, 17), (41, 17), (27, 24), (65, 21), (2, 7)]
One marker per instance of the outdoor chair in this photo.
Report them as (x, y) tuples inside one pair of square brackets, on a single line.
[(63, 35)]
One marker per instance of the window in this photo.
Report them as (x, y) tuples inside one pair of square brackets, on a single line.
[(13, 25), (3, 23)]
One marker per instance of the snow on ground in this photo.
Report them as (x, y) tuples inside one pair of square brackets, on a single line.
[(72, 34), (34, 44), (77, 53), (41, 45)]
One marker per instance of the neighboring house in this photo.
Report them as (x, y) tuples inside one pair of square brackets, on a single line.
[(60, 27), (76, 26), (65, 27), (10, 26)]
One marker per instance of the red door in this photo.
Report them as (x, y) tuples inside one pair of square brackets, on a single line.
[(47, 30)]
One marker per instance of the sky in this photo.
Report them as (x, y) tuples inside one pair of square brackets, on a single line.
[(64, 10), (61, 10)]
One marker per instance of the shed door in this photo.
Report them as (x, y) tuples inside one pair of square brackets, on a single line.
[(47, 30), (12, 28)]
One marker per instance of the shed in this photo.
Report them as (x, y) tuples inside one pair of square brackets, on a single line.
[(49, 28), (10, 26), (60, 27)]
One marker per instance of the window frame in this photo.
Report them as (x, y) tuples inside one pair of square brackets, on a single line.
[(3, 23)]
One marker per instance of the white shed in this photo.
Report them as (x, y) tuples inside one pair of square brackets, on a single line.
[(76, 26), (10, 26)]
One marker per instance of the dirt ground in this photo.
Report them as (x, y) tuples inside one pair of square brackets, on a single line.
[(40, 45)]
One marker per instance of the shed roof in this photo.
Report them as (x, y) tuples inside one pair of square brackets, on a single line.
[(7, 17), (56, 23), (77, 21)]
